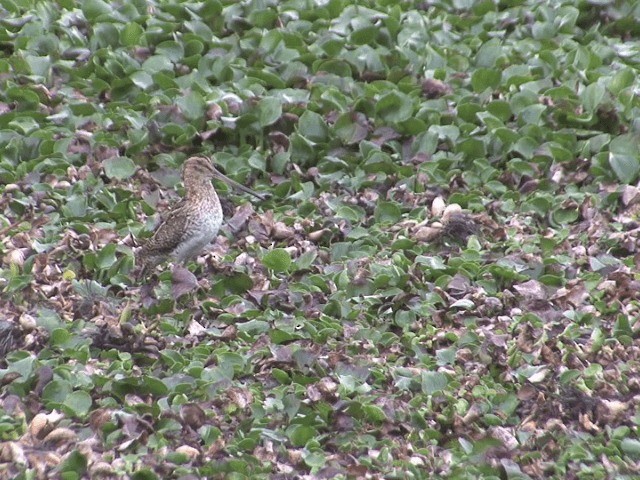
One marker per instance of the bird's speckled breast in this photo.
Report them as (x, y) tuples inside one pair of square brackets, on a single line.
[(202, 229)]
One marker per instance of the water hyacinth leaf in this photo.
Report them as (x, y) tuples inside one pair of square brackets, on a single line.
[(144, 474), (238, 283), (23, 96), (592, 96), (299, 435), (433, 382), (106, 256), (302, 149), (306, 260), (621, 80), (394, 106), (351, 128), (624, 157), (142, 79), (192, 105), (157, 63), (313, 126), (277, 260), (374, 414), (174, 51), (254, 327), (356, 312), (631, 447), (485, 78), (387, 212), (270, 111), (622, 329), (92, 9), (315, 459), (130, 35), (56, 391), (119, 168), (75, 464), (79, 403)]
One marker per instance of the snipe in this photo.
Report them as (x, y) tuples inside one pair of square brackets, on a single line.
[(193, 223)]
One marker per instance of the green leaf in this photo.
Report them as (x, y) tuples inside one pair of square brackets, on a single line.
[(281, 376), (446, 356), (299, 435), (621, 80), (313, 126), (174, 51), (302, 149), (107, 35), (500, 109), (210, 9), (387, 212), (238, 283), (177, 458), (254, 327), (157, 63), (75, 463), (24, 124), (119, 167), (144, 474), (488, 53), (565, 215), (315, 459), (364, 35), (131, 33), (23, 367), (592, 96), (351, 213), (94, 8), (59, 337), (79, 402), (484, 78), (106, 257), (153, 386), (23, 96), (280, 336), (277, 260), (141, 79), (394, 107), (374, 414), (270, 111), (622, 327), (433, 382), (56, 391), (351, 128), (192, 105), (305, 260), (624, 157), (631, 447), (263, 18)]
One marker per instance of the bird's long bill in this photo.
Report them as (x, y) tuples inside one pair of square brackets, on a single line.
[(237, 185)]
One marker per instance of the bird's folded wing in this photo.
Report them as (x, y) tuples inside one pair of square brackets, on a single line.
[(171, 231)]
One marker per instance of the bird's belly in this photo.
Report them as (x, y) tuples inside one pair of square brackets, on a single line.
[(197, 237)]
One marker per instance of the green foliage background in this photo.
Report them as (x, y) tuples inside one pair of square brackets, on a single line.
[(334, 335)]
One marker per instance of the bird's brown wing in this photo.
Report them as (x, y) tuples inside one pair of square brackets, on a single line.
[(169, 233)]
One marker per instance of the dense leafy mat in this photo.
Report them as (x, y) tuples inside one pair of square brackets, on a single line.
[(357, 324)]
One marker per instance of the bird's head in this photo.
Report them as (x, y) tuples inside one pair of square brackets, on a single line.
[(201, 167)]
